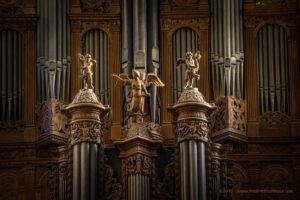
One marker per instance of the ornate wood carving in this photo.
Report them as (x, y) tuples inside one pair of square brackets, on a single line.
[(229, 119), (95, 6), (112, 189), (11, 7), (166, 188), (51, 123)]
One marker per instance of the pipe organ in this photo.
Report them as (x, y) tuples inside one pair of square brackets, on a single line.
[(66, 131)]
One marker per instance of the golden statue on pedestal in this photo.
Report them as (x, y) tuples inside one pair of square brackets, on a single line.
[(86, 72), (192, 66), (138, 89)]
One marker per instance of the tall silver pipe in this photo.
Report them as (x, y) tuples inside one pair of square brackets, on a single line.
[(84, 170), (193, 169), (184, 170), (93, 170), (140, 34), (76, 172), (202, 170)]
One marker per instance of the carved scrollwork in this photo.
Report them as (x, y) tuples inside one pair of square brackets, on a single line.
[(166, 188), (11, 6), (274, 118), (230, 113), (197, 23), (138, 164), (86, 131), (192, 129), (101, 6), (50, 117), (12, 126), (112, 189)]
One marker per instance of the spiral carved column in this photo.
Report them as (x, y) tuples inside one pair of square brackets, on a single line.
[(86, 137), (192, 126)]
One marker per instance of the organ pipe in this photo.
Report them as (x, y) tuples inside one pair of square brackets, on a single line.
[(11, 84), (53, 51), (227, 55), (272, 69)]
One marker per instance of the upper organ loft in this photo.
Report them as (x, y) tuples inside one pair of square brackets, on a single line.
[(226, 126)]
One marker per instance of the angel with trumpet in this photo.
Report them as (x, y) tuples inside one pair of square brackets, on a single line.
[(138, 90), (192, 66)]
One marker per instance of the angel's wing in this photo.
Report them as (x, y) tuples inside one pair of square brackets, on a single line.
[(121, 80), (180, 62), (152, 79)]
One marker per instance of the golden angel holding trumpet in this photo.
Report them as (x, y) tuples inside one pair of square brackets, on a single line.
[(138, 89), (192, 66)]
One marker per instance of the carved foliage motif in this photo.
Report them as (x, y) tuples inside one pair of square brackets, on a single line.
[(253, 21), (274, 118), (101, 6), (112, 189), (198, 23), (12, 126), (11, 6), (166, 188), (138, 164), (50, 117), (53, 182), (186, 3), (86, 131), (230, 113), (192, 129)]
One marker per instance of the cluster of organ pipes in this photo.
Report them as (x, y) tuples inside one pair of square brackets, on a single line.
[(12, 79)]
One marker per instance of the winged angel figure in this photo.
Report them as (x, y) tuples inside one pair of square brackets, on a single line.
[(192, 67), (138, 89)]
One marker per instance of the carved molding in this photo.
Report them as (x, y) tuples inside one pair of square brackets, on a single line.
[(12, 7), (230, 113), (86, 131), (255, 22), (12, 126), (184, 3), (108, 26), (95, 6), (192, 129), (195, 23), (166, 188), (274, 118), (112, 188), (137, 164), (50, 118)]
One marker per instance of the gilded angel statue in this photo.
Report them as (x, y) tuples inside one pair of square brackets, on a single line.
[(86, 71), (138, 89), (192, 67)]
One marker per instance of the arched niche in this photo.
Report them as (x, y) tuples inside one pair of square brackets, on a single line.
[(272, 69), (183, 40), (96, 43)]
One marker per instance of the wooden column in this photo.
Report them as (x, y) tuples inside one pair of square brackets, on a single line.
[(204, 64), (251, 77), (29, 76), (75, 46), (166, 92), (115, 92)]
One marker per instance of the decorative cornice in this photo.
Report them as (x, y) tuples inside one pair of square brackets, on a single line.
[(198, 23)]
